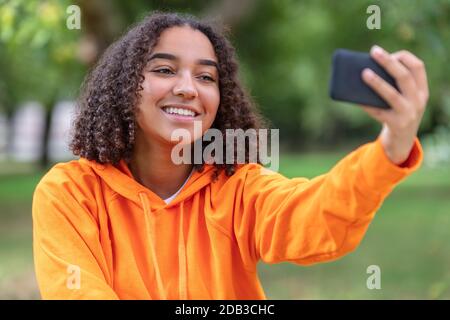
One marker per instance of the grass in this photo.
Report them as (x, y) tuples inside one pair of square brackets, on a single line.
[(409, 240), (17, 182)]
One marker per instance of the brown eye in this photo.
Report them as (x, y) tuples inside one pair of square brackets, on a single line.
[(207, 78), (163, 71)]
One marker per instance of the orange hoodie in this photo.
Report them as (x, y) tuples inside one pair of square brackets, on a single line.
[(121, 241)]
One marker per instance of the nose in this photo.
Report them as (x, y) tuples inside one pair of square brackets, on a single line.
[(185, 87)]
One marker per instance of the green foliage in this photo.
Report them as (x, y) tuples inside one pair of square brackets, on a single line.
[(284, 49), (38, 54), (287, 46)]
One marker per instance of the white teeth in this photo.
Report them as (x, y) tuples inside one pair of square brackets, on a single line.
[(183, 112)]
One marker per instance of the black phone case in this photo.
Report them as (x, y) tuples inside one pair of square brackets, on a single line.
[(346, 83)]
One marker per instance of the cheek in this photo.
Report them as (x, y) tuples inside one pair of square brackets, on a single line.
[(154, 90), (151, 93), (211, 100), (141, 116)]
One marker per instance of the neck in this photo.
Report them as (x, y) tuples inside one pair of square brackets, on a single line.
[(152, 166)]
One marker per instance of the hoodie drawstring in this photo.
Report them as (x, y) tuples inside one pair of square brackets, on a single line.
[(150, 226), (182, 264), (182, 260)]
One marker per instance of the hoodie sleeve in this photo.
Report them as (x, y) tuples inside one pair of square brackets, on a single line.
[(68, 256), (308, 221)]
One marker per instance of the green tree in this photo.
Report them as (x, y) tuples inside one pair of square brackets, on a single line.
[(38, 55)]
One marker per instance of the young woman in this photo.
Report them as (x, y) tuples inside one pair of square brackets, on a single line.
[(126, 222)]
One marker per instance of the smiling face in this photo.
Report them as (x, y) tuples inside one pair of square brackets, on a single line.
[(181, 86)]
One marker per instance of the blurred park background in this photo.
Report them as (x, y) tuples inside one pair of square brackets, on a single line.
[(284, 48)]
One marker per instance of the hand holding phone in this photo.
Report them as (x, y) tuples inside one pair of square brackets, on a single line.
[(406, 97), (346, 83)]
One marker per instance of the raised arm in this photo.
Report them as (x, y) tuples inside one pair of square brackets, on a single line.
[(307, 221)]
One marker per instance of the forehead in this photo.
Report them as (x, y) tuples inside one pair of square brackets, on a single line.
[(185, 42)]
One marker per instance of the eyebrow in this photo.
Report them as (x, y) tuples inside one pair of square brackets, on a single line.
[(168, 56)]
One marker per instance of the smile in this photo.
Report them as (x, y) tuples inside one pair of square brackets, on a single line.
[(180, 112)]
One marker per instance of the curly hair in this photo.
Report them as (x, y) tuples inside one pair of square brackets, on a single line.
[(104, 127)]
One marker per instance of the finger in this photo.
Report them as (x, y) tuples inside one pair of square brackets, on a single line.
[(417, 68), (376, 113), (397, 70), (384, 89)]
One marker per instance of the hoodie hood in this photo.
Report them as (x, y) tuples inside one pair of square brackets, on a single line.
[(122, 181)]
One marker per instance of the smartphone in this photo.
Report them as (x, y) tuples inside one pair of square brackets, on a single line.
[(346, 83)]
